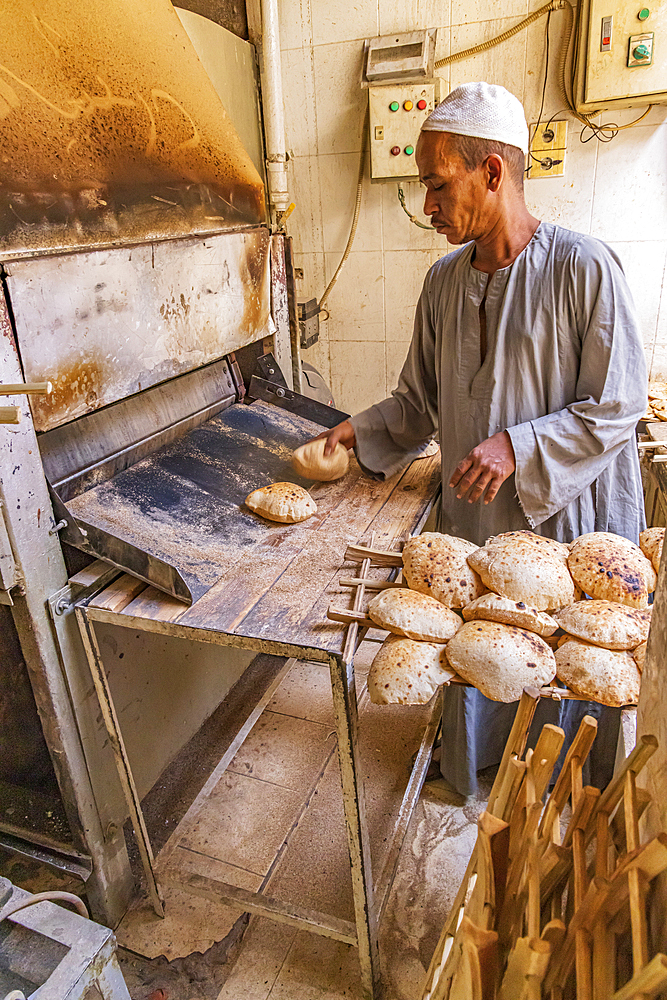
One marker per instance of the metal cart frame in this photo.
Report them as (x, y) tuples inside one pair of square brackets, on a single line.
[(370, 894)]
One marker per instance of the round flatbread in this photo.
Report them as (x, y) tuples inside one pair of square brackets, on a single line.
[(650, 542), (659, 405), (500, 660), (416, 616), (524, 572), (559, 549), (609, 567), (603, 623), (657, 390), (608, 676), (405, 672), (435, 564), (496, 608), (643, 615), (639, 656), (310, 461), (285, 502)]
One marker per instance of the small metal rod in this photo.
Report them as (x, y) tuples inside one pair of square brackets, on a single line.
[(123, 766)]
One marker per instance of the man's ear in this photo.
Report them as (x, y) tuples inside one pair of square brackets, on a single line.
[(495, 171)]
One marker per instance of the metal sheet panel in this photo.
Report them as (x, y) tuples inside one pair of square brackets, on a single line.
[(177, 518), (106, 324)]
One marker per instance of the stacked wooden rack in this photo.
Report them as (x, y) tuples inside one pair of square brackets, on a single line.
[(554, 907)]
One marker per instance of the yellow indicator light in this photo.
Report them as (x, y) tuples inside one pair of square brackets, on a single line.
[(408, 105)]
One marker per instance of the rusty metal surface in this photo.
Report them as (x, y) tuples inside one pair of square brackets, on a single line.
[(88, 451), (183, 505), (112, 130), (106, 324)]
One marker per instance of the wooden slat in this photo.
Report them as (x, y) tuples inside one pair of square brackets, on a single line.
[(295, 607), (153, 603), (89, 575), (119, 594)]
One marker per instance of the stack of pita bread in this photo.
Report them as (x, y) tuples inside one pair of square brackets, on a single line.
[(657, 401), (490, 615)]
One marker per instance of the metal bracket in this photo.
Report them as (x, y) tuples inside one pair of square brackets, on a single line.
[(9, 575), (63, 602), (303, 406), (267, 368)]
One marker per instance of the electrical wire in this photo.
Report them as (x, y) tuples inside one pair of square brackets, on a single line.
[(52, 897), (355, 216), (411, 217), (544, 90), (485, 46)]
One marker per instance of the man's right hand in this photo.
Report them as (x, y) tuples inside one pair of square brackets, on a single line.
[(343, 433)]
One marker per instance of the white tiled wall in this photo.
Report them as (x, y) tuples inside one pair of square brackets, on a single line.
[(616, 191)]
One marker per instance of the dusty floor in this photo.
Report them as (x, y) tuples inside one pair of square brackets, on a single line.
[(275, 821)]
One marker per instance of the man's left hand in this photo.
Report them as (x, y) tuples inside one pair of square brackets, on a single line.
[(485, 468)]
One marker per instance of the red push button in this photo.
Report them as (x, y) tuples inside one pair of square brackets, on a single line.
[(421, 105), (395, 150)]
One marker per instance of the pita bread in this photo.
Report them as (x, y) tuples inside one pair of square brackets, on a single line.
[(405, 672), (643, 616), (495, 608), (603, 623), (609, 567), (416, 616), (608, 676), (435, 564), (560, 549), (524, 572), (639, 656), (285, 502), (651, 542), (500, 660), (310, 461), (657, 390)]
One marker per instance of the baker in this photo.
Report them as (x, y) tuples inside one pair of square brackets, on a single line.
[(527, 361)]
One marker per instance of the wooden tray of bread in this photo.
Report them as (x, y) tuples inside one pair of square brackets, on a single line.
[(570, 619)]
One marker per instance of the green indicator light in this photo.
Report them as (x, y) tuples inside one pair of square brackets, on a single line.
[(643, 13), (394, 106), (409, 150)]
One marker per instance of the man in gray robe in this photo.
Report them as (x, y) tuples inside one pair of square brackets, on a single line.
[(527, 361)]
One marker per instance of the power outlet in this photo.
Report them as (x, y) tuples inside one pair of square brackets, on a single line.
[(548, 147)]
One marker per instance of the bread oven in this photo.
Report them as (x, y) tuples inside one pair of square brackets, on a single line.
[(138, 267)]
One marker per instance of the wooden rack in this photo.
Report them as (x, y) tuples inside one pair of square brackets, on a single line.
[(542, 911)]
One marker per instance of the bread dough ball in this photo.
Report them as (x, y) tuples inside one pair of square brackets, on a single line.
[(310, 461)]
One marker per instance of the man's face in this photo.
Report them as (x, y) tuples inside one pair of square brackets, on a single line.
[(456, 199)]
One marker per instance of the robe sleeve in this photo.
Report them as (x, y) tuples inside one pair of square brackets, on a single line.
[(392, 433), (560, 454)]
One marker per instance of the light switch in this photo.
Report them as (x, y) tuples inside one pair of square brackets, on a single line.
[(379, 131), (605, 35), (640, 50)]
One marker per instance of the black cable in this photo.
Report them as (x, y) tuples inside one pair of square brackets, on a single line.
[(544, 90)]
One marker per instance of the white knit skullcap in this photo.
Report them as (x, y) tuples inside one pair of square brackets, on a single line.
[(483, 110)]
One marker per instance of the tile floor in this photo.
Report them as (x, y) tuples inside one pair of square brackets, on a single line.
[(275, 820)]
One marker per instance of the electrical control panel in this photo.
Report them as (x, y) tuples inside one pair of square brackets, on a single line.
[(396, 113), (621, 57)]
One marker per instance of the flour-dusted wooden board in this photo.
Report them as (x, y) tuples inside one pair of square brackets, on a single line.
[(282, 595), (277, 586)]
